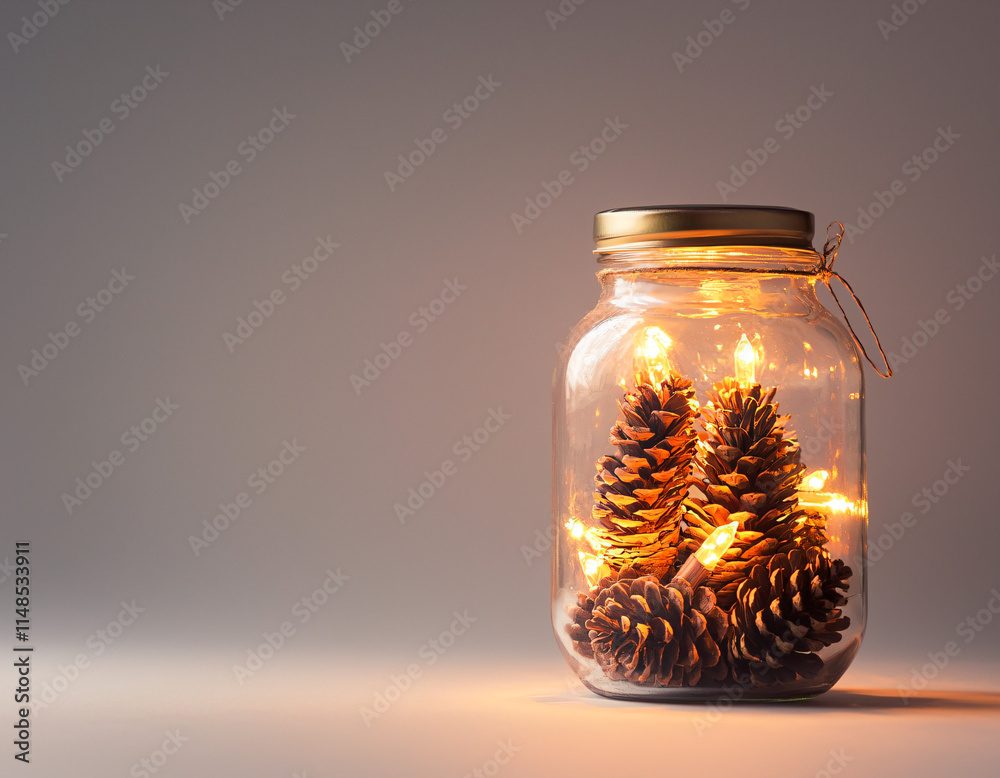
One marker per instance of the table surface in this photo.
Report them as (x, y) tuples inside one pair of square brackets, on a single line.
[(306, 719)]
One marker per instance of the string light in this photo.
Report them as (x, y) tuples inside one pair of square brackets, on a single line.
[(830, 501), (815, 481), (594, 568), (746, 362), (652, 357), (700, 564)]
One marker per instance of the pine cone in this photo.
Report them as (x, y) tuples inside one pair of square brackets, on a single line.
[(750, 473), (636, 505), (799, 528), (784, 613), (584, 609), (655, 635), (748, 465)]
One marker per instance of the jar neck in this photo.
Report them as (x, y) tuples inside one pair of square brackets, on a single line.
[(739, 259), (699, 291)]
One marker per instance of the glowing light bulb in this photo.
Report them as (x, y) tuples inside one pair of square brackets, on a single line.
[(815, 481), (716, 545), (840, 504), (651, 358), (575, 528), (657, 343), (746, 362), (594, 568), (827, 502), (701, 563)]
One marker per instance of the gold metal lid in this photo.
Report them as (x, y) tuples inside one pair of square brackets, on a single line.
[(656, 226)]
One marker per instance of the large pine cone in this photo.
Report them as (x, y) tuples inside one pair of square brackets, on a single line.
[(784, 613), (748, 463), (637, 502), (750, 473), (655, 635)]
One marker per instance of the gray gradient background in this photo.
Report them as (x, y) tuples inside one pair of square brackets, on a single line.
[(493, 348)]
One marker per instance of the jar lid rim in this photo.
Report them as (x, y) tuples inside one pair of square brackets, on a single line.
[(702, 225)]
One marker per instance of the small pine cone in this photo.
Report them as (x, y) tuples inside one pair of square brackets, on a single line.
[(797, 528), (785, 612), (655, 635), (581, 612)]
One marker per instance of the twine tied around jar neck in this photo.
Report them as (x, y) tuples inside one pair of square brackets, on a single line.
[(826, 274)]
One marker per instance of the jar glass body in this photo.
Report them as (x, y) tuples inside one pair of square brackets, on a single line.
[(699, 305)]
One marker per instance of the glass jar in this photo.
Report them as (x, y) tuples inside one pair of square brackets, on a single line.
[(709, 492)]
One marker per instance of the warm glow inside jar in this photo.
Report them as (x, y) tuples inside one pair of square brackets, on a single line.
[(709, 495)]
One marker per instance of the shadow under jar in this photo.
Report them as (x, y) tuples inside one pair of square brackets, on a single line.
[(709, 493)]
